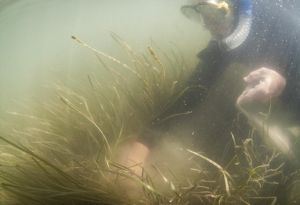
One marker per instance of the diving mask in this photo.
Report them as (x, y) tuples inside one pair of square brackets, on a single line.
[(216, 15)]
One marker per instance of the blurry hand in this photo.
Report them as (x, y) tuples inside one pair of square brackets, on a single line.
[(133, 157), (262, 85)]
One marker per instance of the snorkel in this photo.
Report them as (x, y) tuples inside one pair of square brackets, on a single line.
[(242, 30)]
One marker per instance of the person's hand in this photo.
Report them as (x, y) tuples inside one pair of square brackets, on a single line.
[(132, 157), (263, 84)]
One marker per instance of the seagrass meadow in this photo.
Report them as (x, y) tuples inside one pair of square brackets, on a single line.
[(66, 151)]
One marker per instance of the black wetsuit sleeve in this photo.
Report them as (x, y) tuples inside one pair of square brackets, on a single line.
[(291, 94), (211, 61), (286, 45)]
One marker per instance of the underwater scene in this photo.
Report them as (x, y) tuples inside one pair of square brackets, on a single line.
[(136, 102)]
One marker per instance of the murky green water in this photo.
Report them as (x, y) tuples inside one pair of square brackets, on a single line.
[(73, 102), (35, 37)]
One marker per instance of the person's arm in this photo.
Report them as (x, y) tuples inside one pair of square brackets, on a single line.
[(211, 61), (205, 74), (263, 85)]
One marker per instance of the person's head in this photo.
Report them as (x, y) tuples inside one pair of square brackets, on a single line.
[(218, 16)]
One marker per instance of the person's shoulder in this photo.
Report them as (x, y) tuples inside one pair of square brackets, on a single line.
[(213, 48)]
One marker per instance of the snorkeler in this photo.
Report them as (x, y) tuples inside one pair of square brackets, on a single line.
[(261, 35)]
